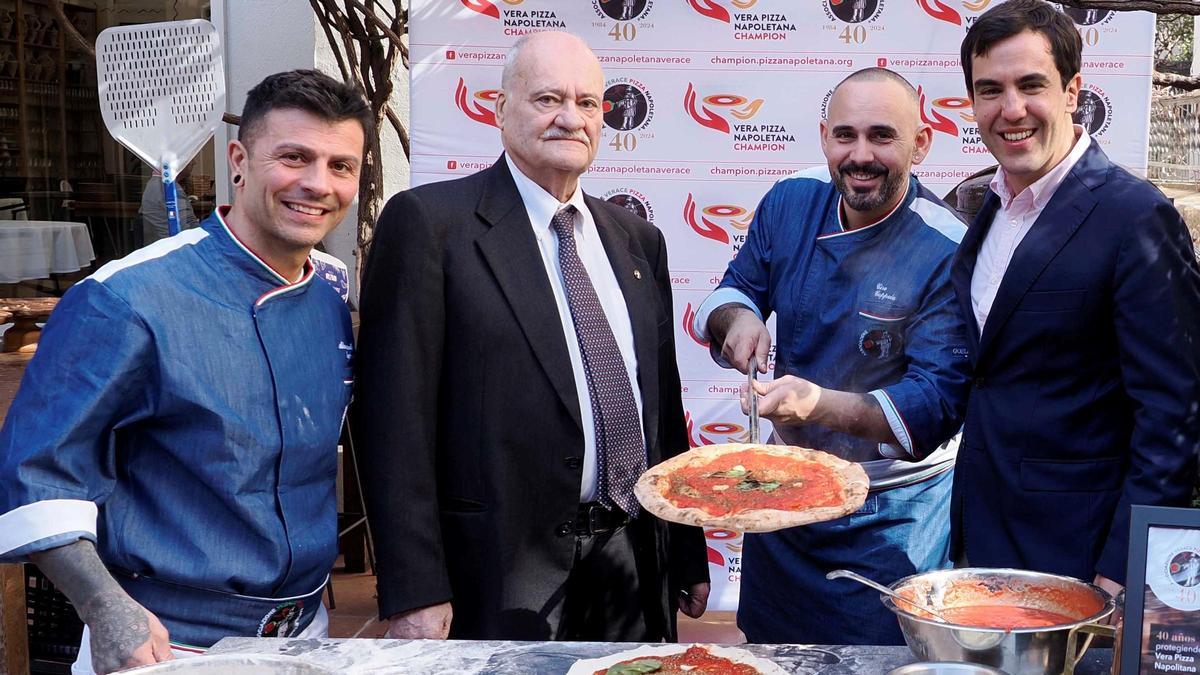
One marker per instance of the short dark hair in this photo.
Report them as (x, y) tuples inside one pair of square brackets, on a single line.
[(1015, 17), (310, 91)]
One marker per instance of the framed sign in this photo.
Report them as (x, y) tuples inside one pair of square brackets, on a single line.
[(1161, 631)]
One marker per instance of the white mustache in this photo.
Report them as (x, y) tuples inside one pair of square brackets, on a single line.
[(554, 134)]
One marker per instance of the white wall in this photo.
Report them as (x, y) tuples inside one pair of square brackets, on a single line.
[(262, 37)]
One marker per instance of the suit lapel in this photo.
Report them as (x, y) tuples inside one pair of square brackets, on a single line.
[(1067, 209), (634, 277), (964, 264), (511, 251)]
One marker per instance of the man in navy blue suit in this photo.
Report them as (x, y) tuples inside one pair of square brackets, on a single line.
[(1080, 285)]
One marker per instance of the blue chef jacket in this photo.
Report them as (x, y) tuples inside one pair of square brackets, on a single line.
[(872, 311), (868, 310), (183, 411)]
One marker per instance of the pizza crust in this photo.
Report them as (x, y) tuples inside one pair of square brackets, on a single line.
[(650, 487), (590, 666)]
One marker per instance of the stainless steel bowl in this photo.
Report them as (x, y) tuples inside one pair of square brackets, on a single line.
[(1022, 651), (945, 668), (234, 664)]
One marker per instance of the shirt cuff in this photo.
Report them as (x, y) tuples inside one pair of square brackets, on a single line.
[(46, 522), (899, 428), (719, 297)]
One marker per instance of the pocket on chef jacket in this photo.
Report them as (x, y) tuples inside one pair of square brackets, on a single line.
[(882, 328)]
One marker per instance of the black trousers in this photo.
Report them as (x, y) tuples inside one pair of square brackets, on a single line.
[(604, 601)]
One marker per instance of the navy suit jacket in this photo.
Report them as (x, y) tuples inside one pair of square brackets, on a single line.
[(1087, 378)]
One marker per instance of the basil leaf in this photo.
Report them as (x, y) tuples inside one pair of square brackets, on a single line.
[(732, 473), (770, 486)]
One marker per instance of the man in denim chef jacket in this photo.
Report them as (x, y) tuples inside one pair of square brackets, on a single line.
[(169, 461), (854, 259)]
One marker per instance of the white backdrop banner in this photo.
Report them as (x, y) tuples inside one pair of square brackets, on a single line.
[(709, 102)]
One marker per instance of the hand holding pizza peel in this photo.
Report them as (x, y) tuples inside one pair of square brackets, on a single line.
[(751, 487)]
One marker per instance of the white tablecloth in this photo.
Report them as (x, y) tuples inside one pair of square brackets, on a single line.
[(35, 249)]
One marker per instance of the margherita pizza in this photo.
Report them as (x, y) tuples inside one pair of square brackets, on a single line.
[(752, 488), (677, 660)]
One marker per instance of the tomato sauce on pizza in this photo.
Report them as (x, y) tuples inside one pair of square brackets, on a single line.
[(747, 480), (695, 661)]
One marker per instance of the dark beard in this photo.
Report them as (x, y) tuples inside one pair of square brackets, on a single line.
[(868, 201)]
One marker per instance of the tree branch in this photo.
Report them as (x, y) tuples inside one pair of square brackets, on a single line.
[(1156, 6), (1176, 81), (67, 28), (399, 127)]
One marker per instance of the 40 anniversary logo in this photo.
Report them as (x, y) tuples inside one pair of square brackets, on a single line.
[(853, 20), (746, 136), (746, 24), (628, 110), (516, 21), (628, 15), (722, 223), (469, 103)]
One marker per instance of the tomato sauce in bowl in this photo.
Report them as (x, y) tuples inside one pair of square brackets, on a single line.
[(1005, 617)]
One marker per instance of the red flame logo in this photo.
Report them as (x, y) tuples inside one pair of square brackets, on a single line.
[(483, 7), (703, 115), (689, 318), (710, 9), (938, 10), (715, 557), (470, 109), (691, 424), (935, 119), (704, 227)]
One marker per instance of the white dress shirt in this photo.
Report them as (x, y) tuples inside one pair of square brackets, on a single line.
[(1012, 222), (541, 207)]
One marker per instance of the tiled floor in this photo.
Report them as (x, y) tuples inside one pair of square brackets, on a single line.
[(355, 614)]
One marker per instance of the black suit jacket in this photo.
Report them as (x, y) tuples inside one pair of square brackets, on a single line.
[(467, 418), (1087, 378)]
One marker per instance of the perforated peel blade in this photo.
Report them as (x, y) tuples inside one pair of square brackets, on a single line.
[(162, 93), (162, 88)]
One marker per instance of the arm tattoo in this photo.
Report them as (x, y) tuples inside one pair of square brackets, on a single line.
[(118, 624)]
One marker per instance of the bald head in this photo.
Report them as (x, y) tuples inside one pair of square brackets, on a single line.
[(535, 44), (871, 137), (881, 75)]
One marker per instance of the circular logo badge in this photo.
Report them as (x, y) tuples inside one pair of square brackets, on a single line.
[(1088, 17), (853, 11), (622, 10), (878, 343), (1184, 569), (1093, 111), (632, 201), (281, 621), (626, 107)]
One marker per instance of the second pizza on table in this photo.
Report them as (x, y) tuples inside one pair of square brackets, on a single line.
[(752, 487)]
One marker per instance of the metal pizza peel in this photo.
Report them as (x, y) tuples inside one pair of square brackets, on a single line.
[(162, 93), (751, 375)]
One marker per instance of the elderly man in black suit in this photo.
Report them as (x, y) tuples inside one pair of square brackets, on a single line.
[(516, 373)]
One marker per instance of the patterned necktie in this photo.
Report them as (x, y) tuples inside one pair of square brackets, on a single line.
[(620, 451)]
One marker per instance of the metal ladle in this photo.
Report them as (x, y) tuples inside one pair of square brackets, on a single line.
[(847, 574)]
